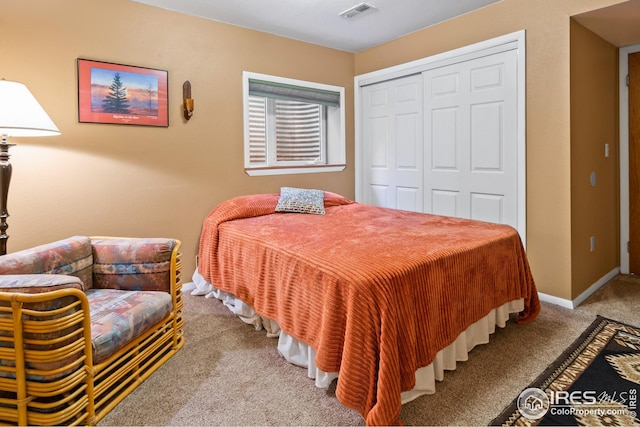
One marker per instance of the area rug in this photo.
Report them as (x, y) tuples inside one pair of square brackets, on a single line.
[(595, 382)]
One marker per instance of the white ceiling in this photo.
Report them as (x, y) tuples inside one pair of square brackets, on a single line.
[(318, 21)]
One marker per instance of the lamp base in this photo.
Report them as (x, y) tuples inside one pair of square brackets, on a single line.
[(5, 179)]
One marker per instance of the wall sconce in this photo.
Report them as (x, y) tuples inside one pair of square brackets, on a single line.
[(20, 115), (188, 101)]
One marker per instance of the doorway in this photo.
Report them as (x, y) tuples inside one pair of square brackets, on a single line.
[(634, 162), (625, 160)]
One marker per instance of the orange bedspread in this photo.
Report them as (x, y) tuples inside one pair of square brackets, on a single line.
[(375, 292)]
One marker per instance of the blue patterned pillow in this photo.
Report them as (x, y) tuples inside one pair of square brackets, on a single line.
[(301, 200)]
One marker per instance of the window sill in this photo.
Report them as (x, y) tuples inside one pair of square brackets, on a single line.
[(293, 170)]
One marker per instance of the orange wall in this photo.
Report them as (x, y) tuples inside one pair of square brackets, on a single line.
[(594, 123), (547, 25), (98, 179)]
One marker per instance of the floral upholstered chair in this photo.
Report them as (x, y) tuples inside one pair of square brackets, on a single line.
[(83, 321)]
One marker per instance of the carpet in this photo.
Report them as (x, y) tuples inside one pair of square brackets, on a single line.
[(595, 382)]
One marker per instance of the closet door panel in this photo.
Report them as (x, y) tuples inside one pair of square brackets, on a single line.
[(470, 130), (393, 152)]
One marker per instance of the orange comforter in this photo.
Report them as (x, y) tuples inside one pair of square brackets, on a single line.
[(375, 292)]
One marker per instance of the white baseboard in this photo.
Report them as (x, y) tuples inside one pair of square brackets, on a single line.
[(555, 300), (571, 304)]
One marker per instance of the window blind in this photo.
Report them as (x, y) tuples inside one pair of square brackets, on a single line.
[(298, 131), (257, 130), (293, 93), (296, 126)]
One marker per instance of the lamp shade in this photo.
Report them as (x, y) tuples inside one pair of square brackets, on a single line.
[(21, 114)]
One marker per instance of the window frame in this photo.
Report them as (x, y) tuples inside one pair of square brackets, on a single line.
[(335, 144)]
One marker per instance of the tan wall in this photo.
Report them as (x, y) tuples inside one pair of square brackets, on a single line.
[(594, 123), (126, 180), (98, 179), (547, 22)]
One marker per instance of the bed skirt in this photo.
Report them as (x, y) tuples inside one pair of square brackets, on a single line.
[(300, 354)]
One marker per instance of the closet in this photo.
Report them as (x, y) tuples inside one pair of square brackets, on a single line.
[(446, 136)]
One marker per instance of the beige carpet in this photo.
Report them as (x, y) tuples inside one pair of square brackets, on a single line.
[(229, 374)]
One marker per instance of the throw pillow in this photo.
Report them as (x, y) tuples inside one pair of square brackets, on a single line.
[(301, 200)]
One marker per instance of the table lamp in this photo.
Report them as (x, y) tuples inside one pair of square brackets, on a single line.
[(20, 115)]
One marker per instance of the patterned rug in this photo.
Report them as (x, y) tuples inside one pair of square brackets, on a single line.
[(596, 382)]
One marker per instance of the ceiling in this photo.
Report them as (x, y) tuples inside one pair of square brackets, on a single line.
[(319, 22)]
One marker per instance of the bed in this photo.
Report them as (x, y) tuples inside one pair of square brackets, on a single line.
[(377, 294)]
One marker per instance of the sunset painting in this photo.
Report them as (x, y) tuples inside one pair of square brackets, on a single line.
[(121, 94), (140, 91)]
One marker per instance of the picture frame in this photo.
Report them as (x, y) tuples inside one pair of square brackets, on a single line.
[(122, 94)]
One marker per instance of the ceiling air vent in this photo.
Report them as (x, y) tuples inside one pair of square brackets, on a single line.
[(355, 10)]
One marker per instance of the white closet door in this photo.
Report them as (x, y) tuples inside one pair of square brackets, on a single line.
[(393, 154), (470, 135)]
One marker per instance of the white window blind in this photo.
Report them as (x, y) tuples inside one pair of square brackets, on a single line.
[(297, 127), (257, 129), (299, 132)]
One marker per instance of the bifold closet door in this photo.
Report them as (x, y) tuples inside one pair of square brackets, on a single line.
[(470, 137), (393, 152)]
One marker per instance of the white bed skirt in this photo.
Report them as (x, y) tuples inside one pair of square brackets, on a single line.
[(300, 354)]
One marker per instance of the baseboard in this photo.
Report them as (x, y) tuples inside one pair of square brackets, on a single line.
[(555, 300), (571, 304)]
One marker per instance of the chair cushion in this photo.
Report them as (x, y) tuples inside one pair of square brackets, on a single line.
[(118, 317), (72, 256), (135, 264)]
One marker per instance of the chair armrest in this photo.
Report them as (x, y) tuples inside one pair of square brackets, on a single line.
[(45, 343), (71, 256), (149, 264), (37, 283)]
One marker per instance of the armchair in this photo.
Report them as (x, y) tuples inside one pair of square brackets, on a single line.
[(83, 321)]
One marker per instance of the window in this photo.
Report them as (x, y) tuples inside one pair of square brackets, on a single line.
[(292, 126)]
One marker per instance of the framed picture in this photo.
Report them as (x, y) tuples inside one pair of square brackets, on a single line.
[(122, 94)]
